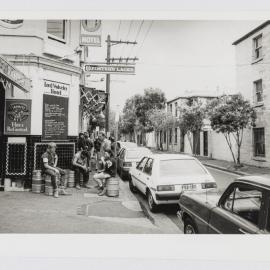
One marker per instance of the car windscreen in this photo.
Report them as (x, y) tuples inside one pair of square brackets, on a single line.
[(136, 154), (181, 167)]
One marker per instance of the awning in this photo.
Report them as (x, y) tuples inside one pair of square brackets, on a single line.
[(11, 75)]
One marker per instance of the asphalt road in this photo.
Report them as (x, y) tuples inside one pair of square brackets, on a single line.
[(222, 178)]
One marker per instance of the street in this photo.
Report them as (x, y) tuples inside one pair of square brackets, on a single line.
[(166, 218)]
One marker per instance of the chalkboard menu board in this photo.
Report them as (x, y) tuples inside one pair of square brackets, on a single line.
[(55, 118)]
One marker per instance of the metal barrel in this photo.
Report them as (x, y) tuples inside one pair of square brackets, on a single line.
[(71, 179), (37, 182), (81, 179), (7, 183), (112, 187)]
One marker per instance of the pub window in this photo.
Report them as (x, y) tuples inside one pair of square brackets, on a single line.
[(257, 47), (175, 135), (164, 136), (56, 29), (170, 136), (176, 108), (259, 142), (258, 91)]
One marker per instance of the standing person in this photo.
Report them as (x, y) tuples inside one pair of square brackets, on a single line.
[(80, 162), (89, 147), (105, 143), (81, 141), (49, 167), (108, 172), (97, 146)]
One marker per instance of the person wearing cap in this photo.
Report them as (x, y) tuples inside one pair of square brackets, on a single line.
[(80, 165), (49, 167), (109, 166)]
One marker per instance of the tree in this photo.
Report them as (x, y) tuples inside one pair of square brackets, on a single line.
[(230, 115), (191, 121), (159, 119)]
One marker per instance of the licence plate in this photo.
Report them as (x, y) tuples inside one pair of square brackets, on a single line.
[(189, 187)]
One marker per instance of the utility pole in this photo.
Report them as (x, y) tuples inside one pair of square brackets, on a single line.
[(110, 60), (108, 84)]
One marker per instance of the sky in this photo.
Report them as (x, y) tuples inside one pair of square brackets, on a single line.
[(179, 57)]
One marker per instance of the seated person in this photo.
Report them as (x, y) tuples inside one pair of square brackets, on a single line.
[(49, 167), (108, 171), (80, 165)]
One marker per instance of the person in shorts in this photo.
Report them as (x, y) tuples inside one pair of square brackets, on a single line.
[(109, 165), (49, 167)]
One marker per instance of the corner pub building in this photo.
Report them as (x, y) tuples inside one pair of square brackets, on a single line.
[(39, 94)]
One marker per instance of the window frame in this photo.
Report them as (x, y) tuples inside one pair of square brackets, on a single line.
[(137, 167), (175, 136), (255, 84), (254, 143), (176, 108), (232, 188), (170, 136), (56, 38), (149, 159), (256, 48)]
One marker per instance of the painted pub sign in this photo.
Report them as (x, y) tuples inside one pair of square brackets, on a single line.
[(18, 117)]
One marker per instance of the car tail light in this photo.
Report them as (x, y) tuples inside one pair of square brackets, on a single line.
[(127, 164), (209, 185), (165, 188)]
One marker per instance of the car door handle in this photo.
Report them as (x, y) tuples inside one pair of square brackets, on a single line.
[(243, 231)]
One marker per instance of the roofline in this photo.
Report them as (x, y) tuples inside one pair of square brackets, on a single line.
[(251, 32), (200, 96)]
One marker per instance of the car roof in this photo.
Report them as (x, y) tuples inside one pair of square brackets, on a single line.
[(171, 156), (261, 180), (137, 149)]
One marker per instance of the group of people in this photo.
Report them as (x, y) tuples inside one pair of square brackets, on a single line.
[(99, 149)]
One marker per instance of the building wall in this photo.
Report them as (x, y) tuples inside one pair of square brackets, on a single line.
[(246, 73)]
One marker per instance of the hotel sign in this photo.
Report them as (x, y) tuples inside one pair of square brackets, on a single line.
[(90, 33), (13, 75), (56, 88), (109, 69)]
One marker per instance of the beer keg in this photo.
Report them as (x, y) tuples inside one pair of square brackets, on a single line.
[(48, 185), (71, 179), (112, 187), (37, 182)]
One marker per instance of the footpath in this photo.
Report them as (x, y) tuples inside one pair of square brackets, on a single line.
[(82, 212), (226, 165)]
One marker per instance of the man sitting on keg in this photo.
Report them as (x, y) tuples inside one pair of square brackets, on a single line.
[(80, 165), (49, 161), (108, 171)]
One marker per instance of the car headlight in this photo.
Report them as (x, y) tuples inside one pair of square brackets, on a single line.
[(166, 188), (209, 185)]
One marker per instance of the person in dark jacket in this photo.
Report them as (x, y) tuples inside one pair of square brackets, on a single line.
[(81, 142)]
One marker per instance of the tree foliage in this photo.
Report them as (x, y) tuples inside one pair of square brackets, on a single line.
[(191, 120), (230, 115)]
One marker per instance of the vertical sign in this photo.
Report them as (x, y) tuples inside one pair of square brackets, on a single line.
[(18, 117), (55, 118), (90, 33)]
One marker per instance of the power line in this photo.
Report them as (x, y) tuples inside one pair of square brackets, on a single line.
[(147, 32), (136, 37), (123, 47), (118, 31)]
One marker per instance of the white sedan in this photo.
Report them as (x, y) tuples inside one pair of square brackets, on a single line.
[(162, 177)]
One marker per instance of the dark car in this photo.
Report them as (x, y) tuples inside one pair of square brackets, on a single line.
[(244, 208)]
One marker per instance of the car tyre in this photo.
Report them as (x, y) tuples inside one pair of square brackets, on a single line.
[(151, 203), (132, 188), (190, 226)]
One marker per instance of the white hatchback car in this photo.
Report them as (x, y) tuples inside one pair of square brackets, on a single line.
[(162, 177)]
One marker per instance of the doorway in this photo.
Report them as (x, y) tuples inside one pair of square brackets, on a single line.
[(196, 143), (205, 143)]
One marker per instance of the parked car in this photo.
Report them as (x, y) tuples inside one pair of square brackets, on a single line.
[(162, 177), (128, 158), (242, 209), (121, 145)]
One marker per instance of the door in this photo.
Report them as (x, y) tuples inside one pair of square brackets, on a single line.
[(2, 145), (239, 211), (205, 143), (137, 175), (147, 174), (196, 143)]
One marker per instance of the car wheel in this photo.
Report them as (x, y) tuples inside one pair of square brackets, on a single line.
[(132, 188), (190, 226), (151, 203)]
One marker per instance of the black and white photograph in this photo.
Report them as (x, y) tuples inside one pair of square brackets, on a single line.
[(124, 126), (142, 130)]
